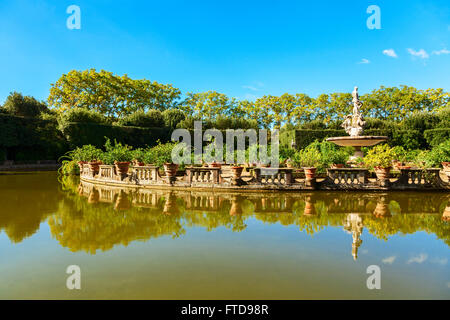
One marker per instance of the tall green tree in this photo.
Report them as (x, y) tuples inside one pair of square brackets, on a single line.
[(109, 94), (25, 106)]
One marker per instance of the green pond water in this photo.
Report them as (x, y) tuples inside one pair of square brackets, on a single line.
[(157, 244)]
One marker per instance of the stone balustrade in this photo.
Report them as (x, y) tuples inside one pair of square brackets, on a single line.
[(202, 175), (145, 174), (274, 176), (346, 178), (268, 179)]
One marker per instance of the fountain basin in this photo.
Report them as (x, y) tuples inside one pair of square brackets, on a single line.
[(357, 142)]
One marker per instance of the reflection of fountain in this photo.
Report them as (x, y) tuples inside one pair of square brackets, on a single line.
[(354, 225), (354, 126)]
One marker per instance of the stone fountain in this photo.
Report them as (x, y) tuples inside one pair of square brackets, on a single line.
[(354, 126)]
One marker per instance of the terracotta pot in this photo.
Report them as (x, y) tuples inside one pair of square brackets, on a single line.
[(94, 166), (122, 167), (310, 173), (170, 169), (215, 165), (236, 171), (337, 166), (382, 173), (404, 167), (263, 165)]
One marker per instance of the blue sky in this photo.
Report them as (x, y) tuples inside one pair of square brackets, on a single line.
[(242, 48)]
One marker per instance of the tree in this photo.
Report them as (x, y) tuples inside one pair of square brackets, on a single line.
[(18, 105), (112, 95), (208, 105)]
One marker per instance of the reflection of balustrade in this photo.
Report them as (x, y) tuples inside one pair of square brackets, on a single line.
[(281, 176), (106, 194), (202, 175)]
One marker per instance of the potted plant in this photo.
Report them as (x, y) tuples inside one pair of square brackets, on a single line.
[(162, 156), (380, 159), (440, 154), (138, 157), (87, 154), (310, 159), (119, 155), (337, 159)]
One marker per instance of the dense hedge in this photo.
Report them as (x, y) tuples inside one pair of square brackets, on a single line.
[(436, 136), (78, 134), (409, 139), (24, 138)]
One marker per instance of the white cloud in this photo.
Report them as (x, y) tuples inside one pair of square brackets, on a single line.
[(443, 51), (256, 87), (390, 53), (364, 61), (389, 260), (441, 261), (250, 88), (421, 53), (419, 259)]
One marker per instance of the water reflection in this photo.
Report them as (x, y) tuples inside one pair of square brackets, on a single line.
[(87, 217), (93, 217)]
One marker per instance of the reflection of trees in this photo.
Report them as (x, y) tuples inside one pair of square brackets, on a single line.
[(105, 216), (25, 201)]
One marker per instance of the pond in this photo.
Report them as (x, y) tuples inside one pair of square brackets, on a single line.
[(159, 244)]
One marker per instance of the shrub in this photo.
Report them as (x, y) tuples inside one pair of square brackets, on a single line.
[(80, 115), (160, 154), (380, 156), (78, 134), (152, 118), (117, 152), (84, 153), (308, 157), (18, 105), (438, 154), (172, 117), (436, 136)]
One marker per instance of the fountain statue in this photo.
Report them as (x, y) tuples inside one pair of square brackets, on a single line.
[(354, 126)]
